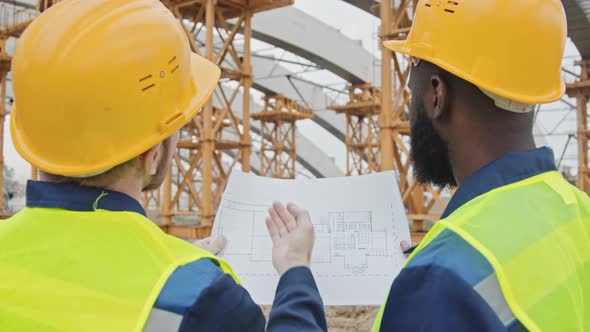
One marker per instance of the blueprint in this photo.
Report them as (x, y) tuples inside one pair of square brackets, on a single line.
[(359, 224)]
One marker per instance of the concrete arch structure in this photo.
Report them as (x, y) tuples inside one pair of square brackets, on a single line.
[(297, 32), (270, 77)]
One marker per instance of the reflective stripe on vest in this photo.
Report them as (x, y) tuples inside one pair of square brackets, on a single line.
[(85, 271), (536, 235), (163, 321), (490, 291)]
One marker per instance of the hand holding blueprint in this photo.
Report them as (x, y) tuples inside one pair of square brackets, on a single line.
[(359, 224)]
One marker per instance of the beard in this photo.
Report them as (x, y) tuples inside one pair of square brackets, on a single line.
[(429, 153), (157, 179)]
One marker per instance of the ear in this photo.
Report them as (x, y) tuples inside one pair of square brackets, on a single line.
[(439, 97), (151, 158)]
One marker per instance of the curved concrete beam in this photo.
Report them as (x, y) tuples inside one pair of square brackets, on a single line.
[(271, 77), (578, 24), (293, 30), (370, 6)]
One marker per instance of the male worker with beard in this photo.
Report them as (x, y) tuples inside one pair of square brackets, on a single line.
[(512, 251), (102, 88)]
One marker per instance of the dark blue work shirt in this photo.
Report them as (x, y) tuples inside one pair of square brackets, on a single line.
[(450, 286), (198, 296)]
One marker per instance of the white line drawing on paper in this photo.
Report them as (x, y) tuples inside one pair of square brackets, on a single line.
[(342, 237), (352, 237)]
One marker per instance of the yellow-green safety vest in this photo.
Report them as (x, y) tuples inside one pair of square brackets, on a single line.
[(64, 270), (536, 235)]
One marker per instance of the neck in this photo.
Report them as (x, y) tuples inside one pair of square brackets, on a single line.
[(130, 186), (469, 155)]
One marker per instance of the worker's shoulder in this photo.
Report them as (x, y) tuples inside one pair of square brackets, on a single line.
[(451, 253), (186, 284)]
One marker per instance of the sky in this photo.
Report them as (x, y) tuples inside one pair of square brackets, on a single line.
[(556, 119)]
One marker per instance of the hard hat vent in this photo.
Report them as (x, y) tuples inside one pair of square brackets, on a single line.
[(145, 80), (450, 5), (171, 62)]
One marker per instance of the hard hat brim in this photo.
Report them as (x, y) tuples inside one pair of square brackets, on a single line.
[(205, 76), (425, 53), (396, 46)]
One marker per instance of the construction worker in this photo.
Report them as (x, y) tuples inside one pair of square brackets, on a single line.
[(102, 88), (512, 250)]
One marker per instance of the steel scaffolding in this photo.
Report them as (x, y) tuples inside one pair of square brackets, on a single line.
[(581, 91), (278, 125), (362, 129), (194, 185), (13, 21)]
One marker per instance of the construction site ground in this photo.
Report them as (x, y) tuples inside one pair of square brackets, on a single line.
[(346, 318)]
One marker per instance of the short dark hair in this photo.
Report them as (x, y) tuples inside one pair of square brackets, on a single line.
[(101, 180)]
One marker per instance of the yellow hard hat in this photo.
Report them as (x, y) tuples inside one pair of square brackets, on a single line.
[(512, 48), (99, 82)]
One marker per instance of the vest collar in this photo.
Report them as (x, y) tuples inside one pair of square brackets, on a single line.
[(508, 169), (73, 197)]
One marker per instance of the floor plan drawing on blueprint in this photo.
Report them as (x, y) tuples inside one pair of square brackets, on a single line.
[(356, 253), (351, 237)]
